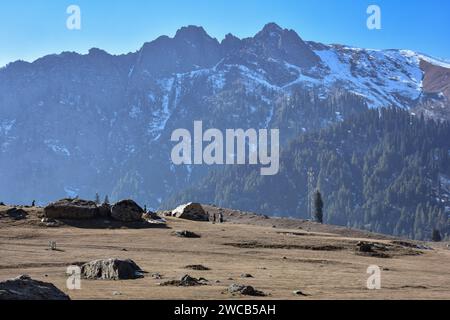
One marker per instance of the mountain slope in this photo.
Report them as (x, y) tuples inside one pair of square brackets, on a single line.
[(74, 124), (386, 172)]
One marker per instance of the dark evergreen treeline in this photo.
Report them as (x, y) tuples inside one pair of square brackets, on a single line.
[(382, 170)]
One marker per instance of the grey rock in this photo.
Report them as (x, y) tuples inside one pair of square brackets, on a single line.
[(25, 288), (245, 290), (17, 214), (111, 269), (197, 267), (246, 275), (76, 209), (364, 247), (299, 293), (191, 211), (186, 281), (186, 234), (127, 211)]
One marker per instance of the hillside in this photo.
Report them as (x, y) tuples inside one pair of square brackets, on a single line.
[(382, 170), (321, 261)]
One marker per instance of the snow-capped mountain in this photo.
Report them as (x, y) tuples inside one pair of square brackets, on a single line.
[(73, 124)]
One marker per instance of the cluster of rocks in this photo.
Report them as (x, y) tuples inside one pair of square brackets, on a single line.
[(78, 209), (373, 249)]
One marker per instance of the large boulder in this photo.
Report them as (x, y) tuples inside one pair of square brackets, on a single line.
[(25, 288), (104, 211), (17, 214), (127, 211), (191, 211), (71, 209), (111, 269)]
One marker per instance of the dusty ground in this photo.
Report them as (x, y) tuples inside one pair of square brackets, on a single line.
[(282, 256)]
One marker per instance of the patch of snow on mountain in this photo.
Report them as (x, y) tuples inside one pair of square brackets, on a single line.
[(6, 126), (254, 79), (385, 78), (217, 81), (161, 115), (301, 78), (55, 146), (135, 112), (420, 56)]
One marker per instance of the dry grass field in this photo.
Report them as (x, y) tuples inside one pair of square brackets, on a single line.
[(282, 255)]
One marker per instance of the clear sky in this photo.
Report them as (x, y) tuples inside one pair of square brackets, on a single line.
[(32, 28)]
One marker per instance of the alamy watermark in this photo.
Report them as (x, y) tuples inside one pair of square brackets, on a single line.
[(73, 22), (74, 280), (374, 19), (374, 280), (229, 148)]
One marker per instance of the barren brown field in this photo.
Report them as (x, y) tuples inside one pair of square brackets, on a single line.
[(282, 255)]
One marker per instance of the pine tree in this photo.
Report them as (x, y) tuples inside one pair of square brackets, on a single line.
[(436, 237), (318, 207), (106, 201)]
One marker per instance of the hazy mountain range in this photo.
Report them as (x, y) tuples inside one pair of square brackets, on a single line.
[(73, 124)]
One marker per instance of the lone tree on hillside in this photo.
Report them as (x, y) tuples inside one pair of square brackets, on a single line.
[(436, 237), (318, 206)]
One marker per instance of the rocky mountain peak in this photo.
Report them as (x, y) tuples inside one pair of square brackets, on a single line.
[(284, 44), (192, 33), (270, 29)]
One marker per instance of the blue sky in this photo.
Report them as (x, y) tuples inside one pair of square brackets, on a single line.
[(32, 28)]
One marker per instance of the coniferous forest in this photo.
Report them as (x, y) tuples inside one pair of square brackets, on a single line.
[(382, 170)]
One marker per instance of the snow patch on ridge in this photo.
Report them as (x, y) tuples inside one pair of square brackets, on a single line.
[(6, 126), (57, 148), (384, 77), (163, 114)]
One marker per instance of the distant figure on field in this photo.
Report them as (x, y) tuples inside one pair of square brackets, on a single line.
[(145, 209), (33, 204), (221, 217)]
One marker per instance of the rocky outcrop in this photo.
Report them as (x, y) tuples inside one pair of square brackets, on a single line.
[(191, 211), (71, 209), (127, 211), (17, 214), (186, 281), (111, 269), (245, 290), (25, 288), (185, 234)]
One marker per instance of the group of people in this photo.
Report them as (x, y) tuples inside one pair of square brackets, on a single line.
[(216, 218)]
